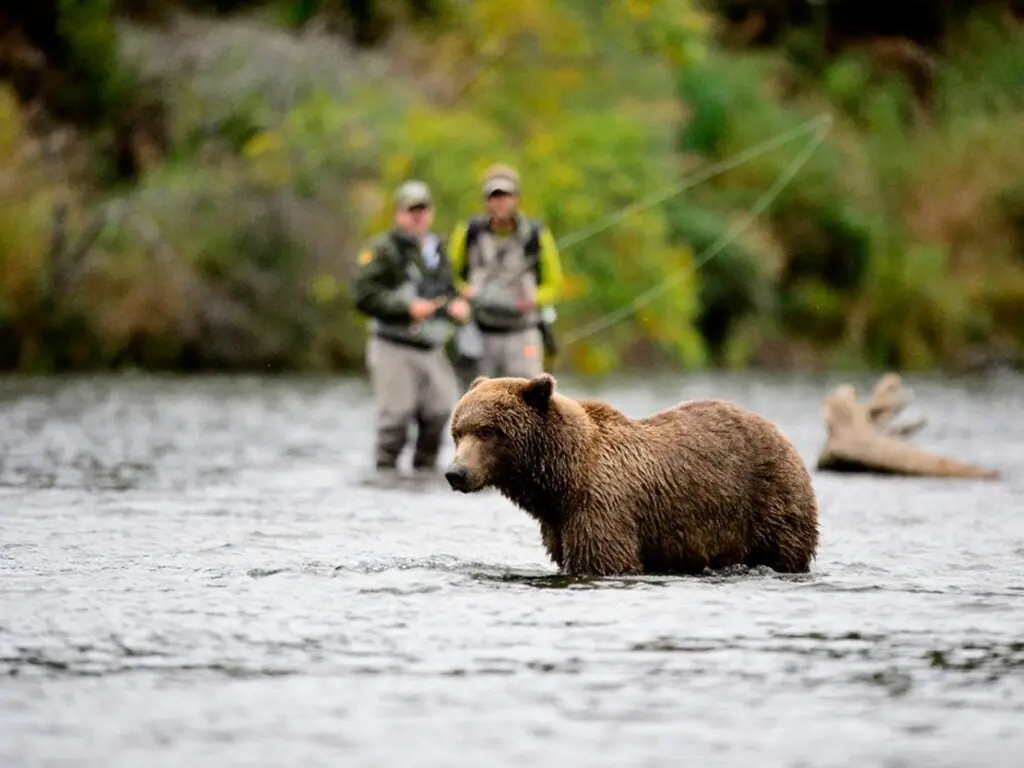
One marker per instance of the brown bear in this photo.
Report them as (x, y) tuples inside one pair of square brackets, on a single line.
[(702, 485)]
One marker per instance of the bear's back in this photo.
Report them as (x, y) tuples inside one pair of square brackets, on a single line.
[(702, 480)]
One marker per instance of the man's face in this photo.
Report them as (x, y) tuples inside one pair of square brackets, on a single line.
[(501, 205), (416, 220)]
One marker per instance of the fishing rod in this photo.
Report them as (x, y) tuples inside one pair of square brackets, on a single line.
[(817, 128)]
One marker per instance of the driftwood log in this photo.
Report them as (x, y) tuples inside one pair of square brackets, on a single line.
[(863, 438)]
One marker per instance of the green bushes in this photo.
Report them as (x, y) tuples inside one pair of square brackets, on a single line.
[(897, 244), (898, 240)]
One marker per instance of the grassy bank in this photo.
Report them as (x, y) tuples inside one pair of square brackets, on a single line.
[(230, 241)]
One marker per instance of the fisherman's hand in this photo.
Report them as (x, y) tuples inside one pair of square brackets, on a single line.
[(421, 309), (467, 292), (525, 305), (458, 310)]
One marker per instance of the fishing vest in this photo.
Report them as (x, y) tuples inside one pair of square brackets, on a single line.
[(503, 270), (419, 282)]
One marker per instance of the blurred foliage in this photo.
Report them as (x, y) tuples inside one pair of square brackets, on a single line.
[(74, 39), (282, 126), (898, 242), (537, 89), (25, 220)]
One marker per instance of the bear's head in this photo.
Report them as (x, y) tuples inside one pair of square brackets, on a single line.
[(516, 435)]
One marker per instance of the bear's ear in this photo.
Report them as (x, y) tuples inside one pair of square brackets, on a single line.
[(538, 390), (476, 382)]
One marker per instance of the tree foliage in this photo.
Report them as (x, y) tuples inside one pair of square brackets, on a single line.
[(284, 130)]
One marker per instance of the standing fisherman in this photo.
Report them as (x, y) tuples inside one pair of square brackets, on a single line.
[(509, 268), (404, 285)]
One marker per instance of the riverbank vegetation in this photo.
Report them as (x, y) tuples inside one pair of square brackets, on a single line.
[(186, 184)]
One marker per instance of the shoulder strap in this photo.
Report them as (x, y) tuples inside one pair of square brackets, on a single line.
[(532, 247), (403, 261), (389, 243), (474, 227)]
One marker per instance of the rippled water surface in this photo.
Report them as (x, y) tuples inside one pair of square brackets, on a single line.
[(204, 572)]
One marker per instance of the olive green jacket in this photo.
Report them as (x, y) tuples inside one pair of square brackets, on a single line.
[(391, 273)]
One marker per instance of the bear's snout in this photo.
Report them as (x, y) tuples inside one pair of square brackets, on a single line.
[(457, 476)]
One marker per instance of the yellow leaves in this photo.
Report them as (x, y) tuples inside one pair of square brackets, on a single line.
[(494, 27), (554, 176), (541, 145), (268, 154), (23, 241), (566, 78), (366, 197), (680, 257), (539, 105), (360, 138), (674, 29), (574, 286), (518, 54), (324, 289), (695, 20), (26, 208), (380, 220), (480, 166), (690, 347), (262, 144), (626, 239), (593, 358), (639, 9), (276, 175), (687, 52), (649, 322), (398, 167), (578, 209), (11, 135)]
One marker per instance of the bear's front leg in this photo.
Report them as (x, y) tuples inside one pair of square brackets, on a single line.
[(552, 543), (596, 544)]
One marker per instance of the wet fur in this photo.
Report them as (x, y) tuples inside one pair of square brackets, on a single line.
[(704, 484)]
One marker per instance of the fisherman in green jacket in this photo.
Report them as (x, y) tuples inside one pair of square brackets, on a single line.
[(404, 285), (509, 268)]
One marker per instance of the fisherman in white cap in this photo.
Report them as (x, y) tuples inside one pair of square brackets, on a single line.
[(404, 285), (509, 268)]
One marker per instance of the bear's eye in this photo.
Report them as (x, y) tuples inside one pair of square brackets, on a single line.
[(487, 433)]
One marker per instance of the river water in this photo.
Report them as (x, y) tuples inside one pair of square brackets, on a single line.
[(204, 572)]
